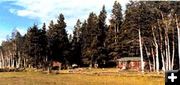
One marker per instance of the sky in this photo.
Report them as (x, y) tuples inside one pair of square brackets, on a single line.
[(22, 14)]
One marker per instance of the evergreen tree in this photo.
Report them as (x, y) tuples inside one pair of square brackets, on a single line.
[(58, 40), (33, 46), (113, 34), (90, 40), (43, 45), (101, 36), (76, 44)]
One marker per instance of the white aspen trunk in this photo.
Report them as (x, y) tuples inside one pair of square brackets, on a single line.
[(173, 52), (161, 47), (156, 49), (157, 59), (13, 62), (163, 62), (16, 60), (148, 58), (5, 62), (165, 42), (9, 60), (154, 65), (166, 51), (5, 59), (141, 52), (178, 30), (179, 44), (168, 47), (19, 60), (1, 61), (169, 57)]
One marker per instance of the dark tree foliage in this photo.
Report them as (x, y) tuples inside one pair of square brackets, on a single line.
[(58, 40), (90, 40), (83, 37), (116, 18), (101, 36), (34, 46), (43, 43), (76, 44), (113, 33)]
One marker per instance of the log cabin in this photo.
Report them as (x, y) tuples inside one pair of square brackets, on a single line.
[(129, 63)]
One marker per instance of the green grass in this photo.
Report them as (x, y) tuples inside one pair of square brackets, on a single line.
[(84, 77)]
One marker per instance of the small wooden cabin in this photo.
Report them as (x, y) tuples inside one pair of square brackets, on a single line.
[(131, 63)]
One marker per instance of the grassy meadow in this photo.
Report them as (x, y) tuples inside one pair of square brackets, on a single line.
[(81, 77)]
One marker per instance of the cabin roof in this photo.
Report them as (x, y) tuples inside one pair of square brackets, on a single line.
[(129, 59)]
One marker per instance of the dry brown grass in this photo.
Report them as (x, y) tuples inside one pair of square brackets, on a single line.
[(82, 77)]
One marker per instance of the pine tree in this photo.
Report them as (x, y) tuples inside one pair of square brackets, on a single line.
[(90, 40), (113, 34), (33, 46), (102, 29), (76, 44), (43, 47), (58, 40)]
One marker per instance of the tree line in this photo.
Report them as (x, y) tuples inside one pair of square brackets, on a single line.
[(150, 30)]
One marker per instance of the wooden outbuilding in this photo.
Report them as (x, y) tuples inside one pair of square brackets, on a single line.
[(129, 63)]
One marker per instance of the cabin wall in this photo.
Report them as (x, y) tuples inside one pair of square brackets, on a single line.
[(133, 65)]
